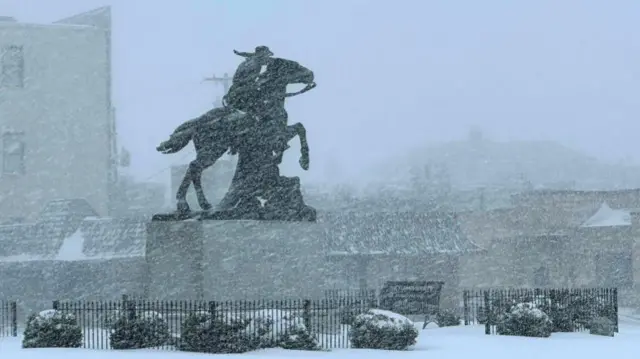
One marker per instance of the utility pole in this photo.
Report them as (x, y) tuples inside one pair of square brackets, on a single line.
[(225, 81)]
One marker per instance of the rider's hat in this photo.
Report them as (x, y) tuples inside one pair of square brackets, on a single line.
[(263, 51)]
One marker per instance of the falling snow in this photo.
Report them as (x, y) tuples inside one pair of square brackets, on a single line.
[(489, 148)]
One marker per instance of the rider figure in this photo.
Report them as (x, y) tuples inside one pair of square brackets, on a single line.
[(240, 94)]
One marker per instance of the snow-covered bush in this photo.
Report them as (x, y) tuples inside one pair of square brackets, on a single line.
[(147, 330), (601, 326), (562, 318), (52, 329), (267, 328), (348, 313), (498, 308), (382, 329), (447, 318), (204, 333), (573, 311), (299, 338), (585, 308), (525, 319), (107, 320), (272, 328)]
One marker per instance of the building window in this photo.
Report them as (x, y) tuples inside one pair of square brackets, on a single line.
[(614, 270), (13, 151), (12, 63)]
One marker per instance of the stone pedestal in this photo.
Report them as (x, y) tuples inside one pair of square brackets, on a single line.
[(235, 260), (174, 256)]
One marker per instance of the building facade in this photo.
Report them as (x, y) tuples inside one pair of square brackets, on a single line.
[(56, 119)]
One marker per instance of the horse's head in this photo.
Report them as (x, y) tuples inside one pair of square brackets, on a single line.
[(282, 72)]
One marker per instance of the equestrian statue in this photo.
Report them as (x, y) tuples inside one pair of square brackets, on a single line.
[(253, 124)]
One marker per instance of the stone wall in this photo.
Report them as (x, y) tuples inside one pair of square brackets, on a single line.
[(569, 259), (36, 284)]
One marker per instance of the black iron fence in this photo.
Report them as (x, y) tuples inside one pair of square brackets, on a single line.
[(326, 319), (8, 319), (569, 308)]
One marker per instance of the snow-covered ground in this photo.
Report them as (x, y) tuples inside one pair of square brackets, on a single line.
[(454, 342)]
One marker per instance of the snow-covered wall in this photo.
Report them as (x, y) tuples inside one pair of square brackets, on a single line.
[(62, 256), (36, 284)]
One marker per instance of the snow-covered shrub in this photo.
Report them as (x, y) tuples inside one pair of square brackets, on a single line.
[(525, 319), (482, 316), (272, 328), (348, 313), (52, 329), (382, 329), (601, 326), (586, 307), (147, 330), (107, 320), (204, 333), (498, 308), (558, 311), (562, 318), (576, 310), (447, 318), (299, 338)]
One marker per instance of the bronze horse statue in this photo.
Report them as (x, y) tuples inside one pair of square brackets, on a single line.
[(226, 129)]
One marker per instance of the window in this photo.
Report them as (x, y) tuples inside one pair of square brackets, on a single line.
[(614, 270), (12, 63), (13, 150)]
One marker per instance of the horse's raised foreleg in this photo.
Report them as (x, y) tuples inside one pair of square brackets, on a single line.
[(298, 129)]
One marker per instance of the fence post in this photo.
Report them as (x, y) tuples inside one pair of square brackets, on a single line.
[(306, 314), (14, 318), (56, 305), (487, 324), (615, 309), (373, 300), (465, 303), (129, 306), (212, 309)]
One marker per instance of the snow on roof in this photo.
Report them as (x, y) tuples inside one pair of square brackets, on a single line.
[(69, 230), (114, 237), (409, 233), (607, 217), (54, 26)]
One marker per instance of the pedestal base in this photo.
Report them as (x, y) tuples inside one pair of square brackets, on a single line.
[(235, 260), (307, 214)]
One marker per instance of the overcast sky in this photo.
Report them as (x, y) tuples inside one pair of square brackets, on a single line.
[(392, 75)]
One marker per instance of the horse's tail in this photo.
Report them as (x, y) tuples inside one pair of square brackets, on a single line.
[(177, 141)]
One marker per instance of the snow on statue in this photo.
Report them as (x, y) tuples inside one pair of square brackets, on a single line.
[(254, 124)]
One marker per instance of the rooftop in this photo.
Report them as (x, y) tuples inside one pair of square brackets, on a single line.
[(92, 19), (69, 230), (395, 233)]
